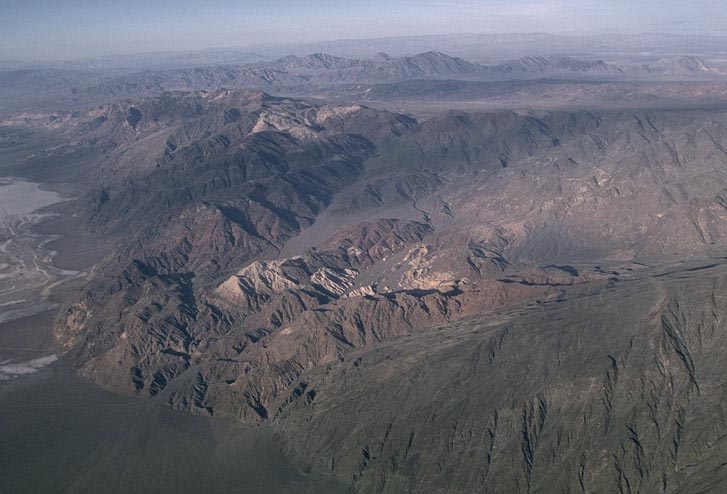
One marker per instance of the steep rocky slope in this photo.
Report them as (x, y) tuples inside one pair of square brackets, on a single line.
[(619, 391)]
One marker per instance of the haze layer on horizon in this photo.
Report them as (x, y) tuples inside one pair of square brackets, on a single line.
[(54, 30)]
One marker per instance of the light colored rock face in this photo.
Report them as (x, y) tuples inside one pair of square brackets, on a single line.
[(261, 281), (336, 112), (257, 282), (420, 271), (364, 291), (335, 282), (296, 126)]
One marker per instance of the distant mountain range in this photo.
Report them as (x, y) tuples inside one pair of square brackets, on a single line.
[(301, 75), (500, 46), (321, 69)]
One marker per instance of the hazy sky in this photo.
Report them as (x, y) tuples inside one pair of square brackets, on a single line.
[(51, 29)]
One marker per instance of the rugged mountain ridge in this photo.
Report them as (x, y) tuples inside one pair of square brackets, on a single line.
[(270, 240)]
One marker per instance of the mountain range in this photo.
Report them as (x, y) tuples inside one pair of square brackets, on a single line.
[(528, 301)]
